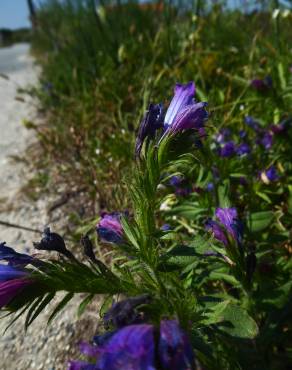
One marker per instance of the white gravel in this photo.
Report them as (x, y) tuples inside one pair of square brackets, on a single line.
[(41, 347)]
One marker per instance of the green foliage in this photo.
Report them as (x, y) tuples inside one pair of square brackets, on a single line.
[(100, 69)]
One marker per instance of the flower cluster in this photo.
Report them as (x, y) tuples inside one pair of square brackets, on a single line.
[(13, 276), (183, 113), (135, 347)]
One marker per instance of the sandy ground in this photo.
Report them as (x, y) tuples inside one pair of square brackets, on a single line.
[(41, 347)]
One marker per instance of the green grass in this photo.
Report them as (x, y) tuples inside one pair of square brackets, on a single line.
[(100, 69)]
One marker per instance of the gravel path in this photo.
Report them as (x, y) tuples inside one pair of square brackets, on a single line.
[(41, 347)]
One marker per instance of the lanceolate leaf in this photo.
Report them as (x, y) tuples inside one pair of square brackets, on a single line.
[(86, 301), (233, 320), (259, 221), (60, 306), (37, 309)]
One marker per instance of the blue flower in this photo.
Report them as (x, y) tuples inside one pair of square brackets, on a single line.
[(52, 242), (229, 221), (166, 227), (14, 258), (223, 134), (124, 312), (11, 288), (151, 122), (132, 347), (243, 149), (109, 228), (267, 140), (228, 149), (217, 231), (81, 365), (175, 181), (242, 134), (175, 351), (252, 123), (262, 85), (228, 218), (210, 187), (9, 272), (272, 173), (269, 175), (183, 112)]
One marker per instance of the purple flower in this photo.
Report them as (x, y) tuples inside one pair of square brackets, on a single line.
[(101, 339), (183, 112), (243, 181), (223, 134), (242, 134), (12, 257), (252, 123), (272, 174), (124, 312), (183, 97), (130, 348), (278, 129), (267, 140), (81, 365), (269, 175), (151, 122), (133, 348), (228, 218), (9, 272), (243, 149), (9, 289), (175, 351), (52, 242), (110, 229), (228, 149), (210, 187), (165, 227), (180, 186), (262, 85), (175, 181), (183, 192), (89, 349), (217, 231)]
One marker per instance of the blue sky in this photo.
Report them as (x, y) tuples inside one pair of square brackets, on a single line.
[(14, 13)]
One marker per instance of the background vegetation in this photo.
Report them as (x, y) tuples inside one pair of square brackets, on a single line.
[(102, 64)]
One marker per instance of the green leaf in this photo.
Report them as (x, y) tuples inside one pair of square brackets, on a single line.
[(223, 194), (105, 305), (60, 306), (264, 196), (84, 304), (17, 316), (282, 76), (259, 221), (130, 233), (189, 211), (233, 320), (215, 275), (43, 304), (37, 301)]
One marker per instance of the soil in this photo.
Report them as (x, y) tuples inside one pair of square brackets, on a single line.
[(41, 347)]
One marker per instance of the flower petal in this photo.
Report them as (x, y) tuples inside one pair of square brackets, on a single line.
[(183, 96)]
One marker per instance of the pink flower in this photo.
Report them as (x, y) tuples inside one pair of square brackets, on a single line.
[(9, 289)]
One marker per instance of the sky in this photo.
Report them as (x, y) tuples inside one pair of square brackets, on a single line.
[(14, 13)]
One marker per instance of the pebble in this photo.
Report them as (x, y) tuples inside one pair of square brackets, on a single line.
[(41, 347)]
